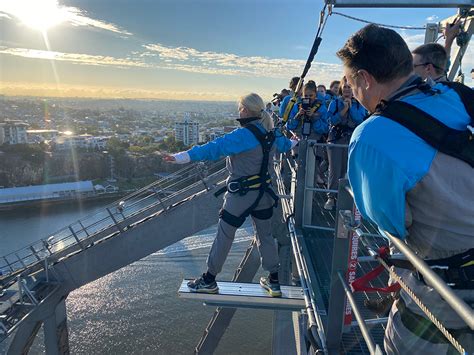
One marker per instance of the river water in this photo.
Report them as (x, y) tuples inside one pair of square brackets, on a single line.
[(136, 310)]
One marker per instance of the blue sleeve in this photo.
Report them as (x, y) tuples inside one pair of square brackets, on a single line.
[(379, 187), (334, 117), (235, 142), (358, 113), (283, 105), (293, 120), (283, 144), (321, 125)]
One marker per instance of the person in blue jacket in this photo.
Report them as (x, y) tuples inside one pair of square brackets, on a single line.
[(284, 103), (245, 195), (344, 114), (412, 190), (316, 112)]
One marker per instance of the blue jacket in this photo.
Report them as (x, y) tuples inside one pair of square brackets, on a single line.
[(355, 116), (386, 160), (238, 141), (320, 126)]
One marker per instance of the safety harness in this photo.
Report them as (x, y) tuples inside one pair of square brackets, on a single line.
[(458, 270), (453, 142), (261, 182)]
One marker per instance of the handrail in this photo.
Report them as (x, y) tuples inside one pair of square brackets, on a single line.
[(458, 305), (360, 320), (97, 222)]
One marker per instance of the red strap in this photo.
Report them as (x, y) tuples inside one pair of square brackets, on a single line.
[(361, 284)]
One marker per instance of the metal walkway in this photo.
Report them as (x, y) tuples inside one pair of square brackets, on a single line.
[(247, 295)]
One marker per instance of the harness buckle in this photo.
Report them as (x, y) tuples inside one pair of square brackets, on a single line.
[(231, 189)]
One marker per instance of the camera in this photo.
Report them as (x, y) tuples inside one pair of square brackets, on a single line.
[(305, 103)]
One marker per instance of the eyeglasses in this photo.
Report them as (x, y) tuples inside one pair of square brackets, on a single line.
[(425, 64)]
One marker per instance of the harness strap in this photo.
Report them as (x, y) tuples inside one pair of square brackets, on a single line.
[(266, 141), (453, 142), (361, 284)]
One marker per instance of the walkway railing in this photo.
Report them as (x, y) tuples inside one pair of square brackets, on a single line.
[(154, 197), (346, 261)]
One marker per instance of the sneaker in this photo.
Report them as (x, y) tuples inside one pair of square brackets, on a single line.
[(329, 205), (273, 288), (201, 286), (380, 306)]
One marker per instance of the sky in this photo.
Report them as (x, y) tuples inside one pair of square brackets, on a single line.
[(181, 50)]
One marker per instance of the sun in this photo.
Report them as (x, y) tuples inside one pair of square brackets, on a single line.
[(39, 15)]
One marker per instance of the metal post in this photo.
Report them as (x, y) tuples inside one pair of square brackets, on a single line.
[(76, 238), (360, 320), (83, 228), (34, 252), (309, 182), (300, 180), (113, 219), (336, 309), (21, 261), (431, 32), (400, 3), (460, 51), (8, 264)]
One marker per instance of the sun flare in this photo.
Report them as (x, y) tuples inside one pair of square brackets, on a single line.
[(37, 14)]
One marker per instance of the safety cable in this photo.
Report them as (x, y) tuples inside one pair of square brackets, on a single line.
[(314, 49), (425, 309), (379, 24)]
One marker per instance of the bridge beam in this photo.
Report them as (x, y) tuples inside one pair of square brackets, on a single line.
[(56, 339), (24, 337)]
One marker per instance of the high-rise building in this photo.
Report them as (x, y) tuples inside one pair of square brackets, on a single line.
[(13, 132), (187, 131)]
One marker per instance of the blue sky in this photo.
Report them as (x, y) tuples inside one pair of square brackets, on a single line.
[(207, 49)]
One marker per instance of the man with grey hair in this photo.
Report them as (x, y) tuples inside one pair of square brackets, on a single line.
[(409, 188)]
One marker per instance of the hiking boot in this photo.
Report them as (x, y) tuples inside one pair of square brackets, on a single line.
[(273, 288), (380, 306), (330, 203), (201, 286)]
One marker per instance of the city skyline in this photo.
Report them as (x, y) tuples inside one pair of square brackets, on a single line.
[(207, 50)]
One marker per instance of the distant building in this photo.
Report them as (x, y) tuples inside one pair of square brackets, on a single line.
[(46, 192), (13, 132), (83, 141), (41, 135), (187, 131)]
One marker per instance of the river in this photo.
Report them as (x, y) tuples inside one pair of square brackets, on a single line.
[(136, 310)]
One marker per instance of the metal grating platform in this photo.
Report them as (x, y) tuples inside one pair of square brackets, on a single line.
[(247, 295), (319, 245)]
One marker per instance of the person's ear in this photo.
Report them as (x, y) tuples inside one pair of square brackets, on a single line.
[(366, 79)]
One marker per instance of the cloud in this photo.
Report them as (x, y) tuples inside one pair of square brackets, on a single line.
[(75, 58), (208, 62), (36, 14), (432, 18), (48, 90)]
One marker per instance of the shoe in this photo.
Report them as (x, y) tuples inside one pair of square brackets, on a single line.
[(201, 286), (273, 288), (380, 306), (329, 205)]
